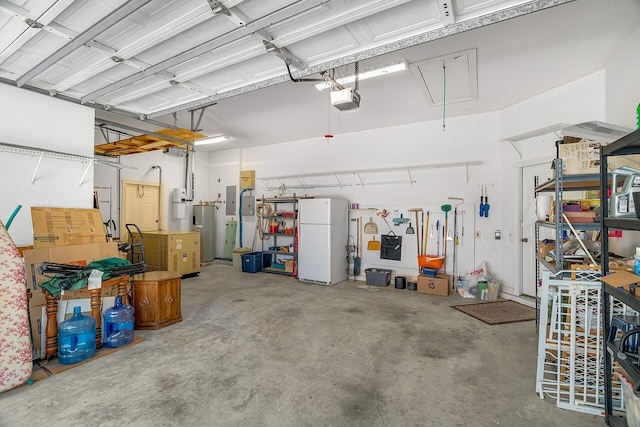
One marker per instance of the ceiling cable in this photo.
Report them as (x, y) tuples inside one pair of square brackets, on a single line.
[(293, 79), (444, 95)]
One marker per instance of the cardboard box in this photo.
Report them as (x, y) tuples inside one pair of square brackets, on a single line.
[(288, 266), (247, 179), (438, 285), (579, 217), (545, 246), (36, 313), (624, 279), (580, 157), (55, 227), (76, 255)]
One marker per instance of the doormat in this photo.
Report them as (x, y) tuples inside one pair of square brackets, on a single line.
[(498, 312), (43, 368)]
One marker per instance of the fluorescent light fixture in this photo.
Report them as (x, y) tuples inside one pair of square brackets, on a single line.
[(376, 72), (212, 140)]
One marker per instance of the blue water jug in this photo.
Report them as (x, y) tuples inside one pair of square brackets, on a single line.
[(76, 338), (118, 324)]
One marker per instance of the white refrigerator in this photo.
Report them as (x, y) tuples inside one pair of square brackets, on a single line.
[(322, 240)]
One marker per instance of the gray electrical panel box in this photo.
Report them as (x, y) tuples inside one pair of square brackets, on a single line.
[(248, 205), (231, 200)]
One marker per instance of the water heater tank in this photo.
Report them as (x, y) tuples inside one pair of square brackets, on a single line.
[(179, 195), (179, 205)]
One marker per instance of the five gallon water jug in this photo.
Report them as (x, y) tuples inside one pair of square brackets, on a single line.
[(118, 324), (76, 338)]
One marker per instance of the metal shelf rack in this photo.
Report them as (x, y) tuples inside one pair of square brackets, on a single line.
[(627, 145)]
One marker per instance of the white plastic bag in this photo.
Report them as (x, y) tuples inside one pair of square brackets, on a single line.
[(468, 286)]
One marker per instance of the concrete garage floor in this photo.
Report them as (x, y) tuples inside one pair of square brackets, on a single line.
[(266, 350)]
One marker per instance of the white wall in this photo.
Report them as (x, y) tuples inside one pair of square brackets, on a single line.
[(576, 102), (623, 83), (34, 120), (223, 171), (471, 138), (173, 176), (623, 97)]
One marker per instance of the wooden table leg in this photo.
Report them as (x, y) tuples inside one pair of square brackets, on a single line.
[(52, 326), (96, 302), (122, 289)]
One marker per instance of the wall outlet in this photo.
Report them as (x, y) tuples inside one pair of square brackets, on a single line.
[(477, 234)]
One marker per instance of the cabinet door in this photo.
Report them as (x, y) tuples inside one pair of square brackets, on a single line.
[(169, 301), (145, 303), (153, 252)]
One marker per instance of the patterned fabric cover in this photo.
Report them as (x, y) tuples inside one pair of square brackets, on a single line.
[(15, 344)]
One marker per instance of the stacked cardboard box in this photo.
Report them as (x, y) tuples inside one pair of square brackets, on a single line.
[(66, 236)]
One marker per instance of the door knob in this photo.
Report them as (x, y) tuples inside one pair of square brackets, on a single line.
[(525, 240)]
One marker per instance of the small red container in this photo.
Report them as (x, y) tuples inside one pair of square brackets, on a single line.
[(430, 261)]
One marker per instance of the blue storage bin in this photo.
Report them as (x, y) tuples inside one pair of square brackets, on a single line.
[(432, 272), (254, 262)]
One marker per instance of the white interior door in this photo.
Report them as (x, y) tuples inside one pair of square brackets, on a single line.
[(543, 172), (141, 205)]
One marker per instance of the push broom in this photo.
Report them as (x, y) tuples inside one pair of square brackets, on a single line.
[(445, 209)]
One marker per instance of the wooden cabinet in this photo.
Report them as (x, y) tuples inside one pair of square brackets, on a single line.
[(156, 299), (172, 251)]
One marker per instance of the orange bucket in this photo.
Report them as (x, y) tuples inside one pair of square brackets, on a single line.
[(431, 261)]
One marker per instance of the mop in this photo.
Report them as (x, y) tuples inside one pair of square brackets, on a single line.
[(445, 209), (456, 237)]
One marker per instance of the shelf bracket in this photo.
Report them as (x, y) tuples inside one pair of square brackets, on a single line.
[(513, 144), (338, 180), (411, 181), (359, 178), (35, 172), (86, 170)]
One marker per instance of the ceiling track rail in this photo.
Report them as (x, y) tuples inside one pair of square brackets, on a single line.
[(302, 185), (456, 28)]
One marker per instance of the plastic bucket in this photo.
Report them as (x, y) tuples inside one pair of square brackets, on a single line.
[(430, 261)]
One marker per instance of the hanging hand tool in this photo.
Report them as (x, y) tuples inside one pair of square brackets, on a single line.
[(438, 236), (424, 242), (446, 209), (357, 261), (455, 232), (416, 210), (384, 214), (486, 202), (482, 200), (421, 230), (410, 229)]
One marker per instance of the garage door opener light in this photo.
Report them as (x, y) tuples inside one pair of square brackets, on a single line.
[(212, 140), (376, 72)]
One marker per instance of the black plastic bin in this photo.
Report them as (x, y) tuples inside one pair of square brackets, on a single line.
[(378, 276)]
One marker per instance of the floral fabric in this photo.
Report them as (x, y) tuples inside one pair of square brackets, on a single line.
[(15, 344)]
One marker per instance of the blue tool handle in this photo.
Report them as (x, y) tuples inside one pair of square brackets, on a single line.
[(13, 215)]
